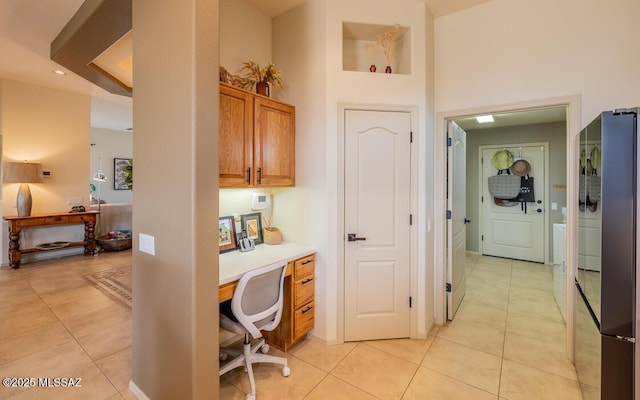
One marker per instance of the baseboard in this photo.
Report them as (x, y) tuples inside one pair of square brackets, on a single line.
[(137, 391)]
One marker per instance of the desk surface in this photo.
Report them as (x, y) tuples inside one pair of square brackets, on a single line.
[(235, 263)]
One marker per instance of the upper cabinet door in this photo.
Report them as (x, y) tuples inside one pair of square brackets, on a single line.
[(236, 137), (274, 143)]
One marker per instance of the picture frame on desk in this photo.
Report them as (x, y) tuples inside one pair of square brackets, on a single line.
[(252, 224), (226, 234)]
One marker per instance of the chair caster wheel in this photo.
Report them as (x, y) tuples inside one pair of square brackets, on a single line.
[(286, 371), (264, 349), (223, 356)]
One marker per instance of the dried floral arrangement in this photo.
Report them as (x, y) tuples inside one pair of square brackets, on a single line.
[(253, 74), (386, 41)]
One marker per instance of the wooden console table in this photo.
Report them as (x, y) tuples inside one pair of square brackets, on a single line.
[(17, 223)]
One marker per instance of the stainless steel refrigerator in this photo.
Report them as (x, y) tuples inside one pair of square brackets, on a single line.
[(606, 324)]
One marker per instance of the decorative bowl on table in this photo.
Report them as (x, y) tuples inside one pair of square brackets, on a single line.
[(117, 240)]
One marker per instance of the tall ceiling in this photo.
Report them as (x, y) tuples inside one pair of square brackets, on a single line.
[(27, 28)]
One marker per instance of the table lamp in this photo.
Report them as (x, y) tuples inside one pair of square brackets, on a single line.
[(24, 174)]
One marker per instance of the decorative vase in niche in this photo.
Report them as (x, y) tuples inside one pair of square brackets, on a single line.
[(388, 69), (262, 88), (372, 68)]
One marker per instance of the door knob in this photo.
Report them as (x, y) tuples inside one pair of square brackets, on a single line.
[(351, 237), (539, 201), (539, 210), (467, 221)]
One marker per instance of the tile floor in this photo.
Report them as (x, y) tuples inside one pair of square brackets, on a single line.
[(507, 342)]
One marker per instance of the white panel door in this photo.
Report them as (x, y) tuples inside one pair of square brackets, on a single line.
[(456, 225), (514, 231), (377, 209)]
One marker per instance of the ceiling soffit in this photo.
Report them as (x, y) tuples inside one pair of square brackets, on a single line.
[(96, 26)]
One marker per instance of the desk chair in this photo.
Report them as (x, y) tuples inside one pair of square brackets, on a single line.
[(256, 305)]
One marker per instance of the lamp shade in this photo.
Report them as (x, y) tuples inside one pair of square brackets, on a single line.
[(19, 172)]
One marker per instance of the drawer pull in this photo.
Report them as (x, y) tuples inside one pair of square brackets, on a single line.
[(306, 262), (306, 310), (307, 280)]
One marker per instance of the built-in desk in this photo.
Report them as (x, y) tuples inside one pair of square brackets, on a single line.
[(298, 315)]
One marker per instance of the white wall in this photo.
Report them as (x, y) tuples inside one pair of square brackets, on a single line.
[(245, 34), (308, 46), (109, 144), (508, 51)]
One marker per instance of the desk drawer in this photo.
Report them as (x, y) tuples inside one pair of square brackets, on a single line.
[(304, 290), (304, 320), (305, 266)]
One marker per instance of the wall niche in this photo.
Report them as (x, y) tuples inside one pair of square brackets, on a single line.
[(367, 45)]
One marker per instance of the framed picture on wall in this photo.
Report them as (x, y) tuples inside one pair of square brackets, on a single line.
[(122, 173), (252, 224), (226, 234)]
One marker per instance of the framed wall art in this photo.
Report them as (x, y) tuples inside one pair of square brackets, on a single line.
[(122, 173), (226, 234), (252, 224)]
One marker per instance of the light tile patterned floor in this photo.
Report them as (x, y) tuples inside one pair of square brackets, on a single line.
[(507, 342)]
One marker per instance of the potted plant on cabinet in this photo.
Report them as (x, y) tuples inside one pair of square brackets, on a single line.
[(261, 78)]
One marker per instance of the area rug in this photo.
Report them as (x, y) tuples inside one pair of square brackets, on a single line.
[(115, 283)]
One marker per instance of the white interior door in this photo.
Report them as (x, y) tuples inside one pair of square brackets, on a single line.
[(514, 231), (456, 225), (377, 212)]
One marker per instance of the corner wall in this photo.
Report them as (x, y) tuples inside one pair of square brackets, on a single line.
[(174, 351), (308, 46)]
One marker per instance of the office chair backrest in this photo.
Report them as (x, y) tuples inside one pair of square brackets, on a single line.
[(257, 300)]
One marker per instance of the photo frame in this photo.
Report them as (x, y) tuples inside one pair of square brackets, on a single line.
[(226, 234), (252, 224), (122, 173)]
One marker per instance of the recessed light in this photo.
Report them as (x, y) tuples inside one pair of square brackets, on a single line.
[(483, 119), (59, 72)]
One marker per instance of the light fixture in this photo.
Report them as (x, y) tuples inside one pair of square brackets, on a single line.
[(99, 177), (483, 119), (24, 174), (59, 72)]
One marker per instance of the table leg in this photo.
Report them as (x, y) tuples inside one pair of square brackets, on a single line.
[(14, 249), (89, 237)]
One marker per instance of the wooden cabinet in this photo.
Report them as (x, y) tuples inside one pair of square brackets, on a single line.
[(298, 316), (257, 140)]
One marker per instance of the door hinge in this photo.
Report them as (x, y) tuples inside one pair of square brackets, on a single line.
[(481, 160), (410, 301), (449, 142), (448, 214), (482, 238), (481, 199), (410, 137), (410, 219), (448, 288)]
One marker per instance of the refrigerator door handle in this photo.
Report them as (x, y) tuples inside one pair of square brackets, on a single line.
[(626, 339)]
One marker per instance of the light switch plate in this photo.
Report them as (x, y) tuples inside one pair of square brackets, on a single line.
[(147, 244), (554, 206)]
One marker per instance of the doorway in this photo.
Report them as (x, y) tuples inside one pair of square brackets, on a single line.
[(570, 106)]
